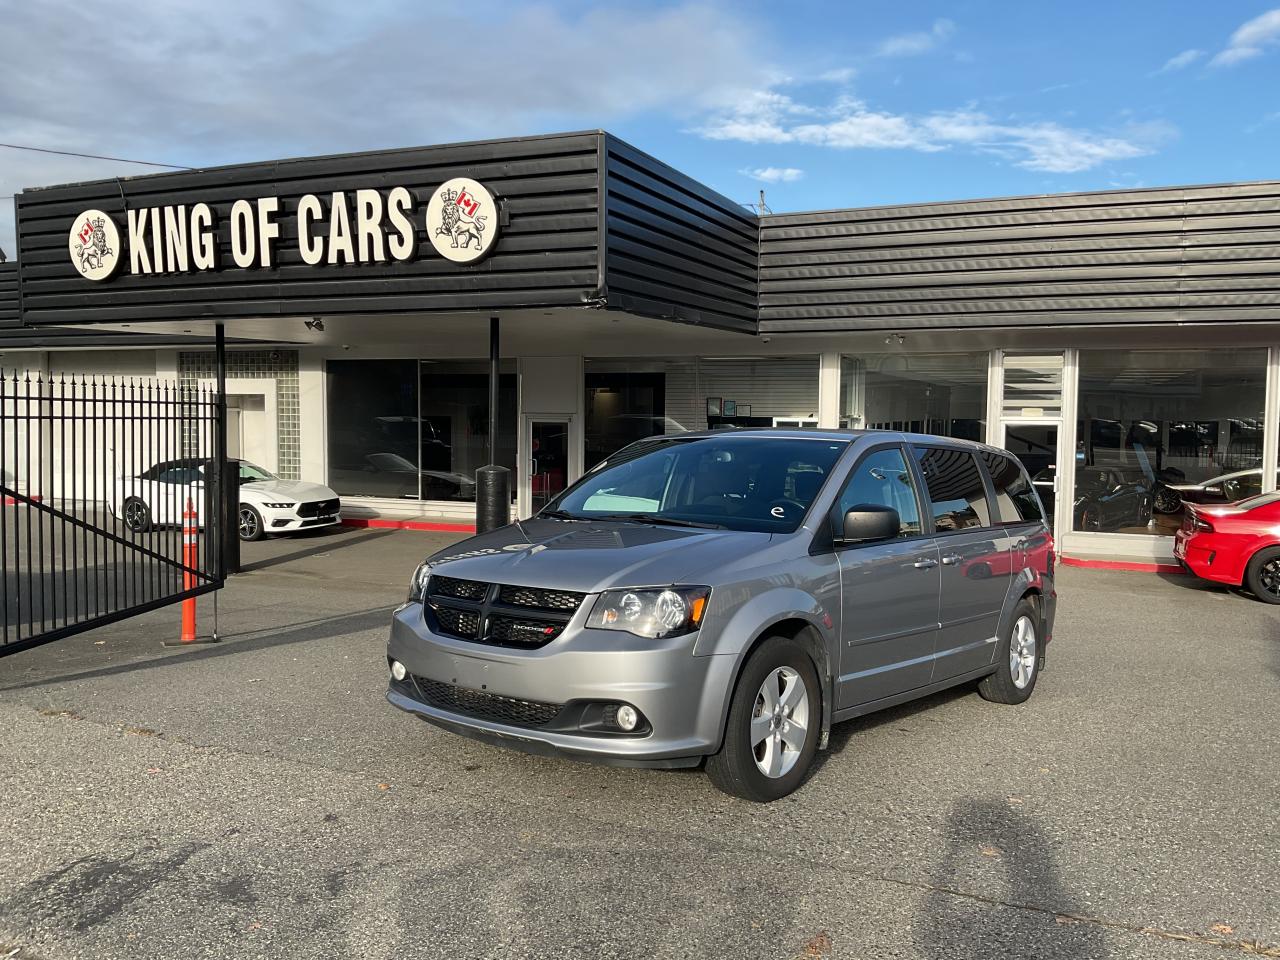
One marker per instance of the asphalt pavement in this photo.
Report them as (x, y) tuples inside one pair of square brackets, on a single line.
[(259, 798)]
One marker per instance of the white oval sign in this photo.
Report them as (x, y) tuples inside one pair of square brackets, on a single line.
[(462, 220), (94, 244)]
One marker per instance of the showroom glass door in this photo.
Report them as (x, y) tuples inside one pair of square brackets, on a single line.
[(1035, 443), (547, 471)]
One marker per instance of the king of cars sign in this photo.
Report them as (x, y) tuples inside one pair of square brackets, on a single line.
[(461, 220)]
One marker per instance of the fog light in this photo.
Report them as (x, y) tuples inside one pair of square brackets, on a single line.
[(397, 670), (628, 717)]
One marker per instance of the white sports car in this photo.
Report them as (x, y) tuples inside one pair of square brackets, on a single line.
[(158, 497)]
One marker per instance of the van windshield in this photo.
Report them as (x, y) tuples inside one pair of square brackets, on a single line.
[(750, 483)]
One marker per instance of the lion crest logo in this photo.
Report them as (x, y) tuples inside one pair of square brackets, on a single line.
[(94, 245), (461, 221)]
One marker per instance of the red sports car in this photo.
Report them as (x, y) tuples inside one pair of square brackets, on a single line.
[(1236, 543)]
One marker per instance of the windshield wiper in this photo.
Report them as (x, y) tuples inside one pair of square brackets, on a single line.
[(559, 515), (660, 521)]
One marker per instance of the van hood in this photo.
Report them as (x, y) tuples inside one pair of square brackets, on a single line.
[(588, 556)]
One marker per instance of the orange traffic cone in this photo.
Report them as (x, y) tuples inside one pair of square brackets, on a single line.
[(190, 559)]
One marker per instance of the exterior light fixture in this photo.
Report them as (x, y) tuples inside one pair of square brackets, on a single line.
[(315, 324)]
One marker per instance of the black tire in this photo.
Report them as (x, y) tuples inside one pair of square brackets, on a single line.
[(250, 524), (1144, 512), (734, 769), (136, 515), (1263, 575), (1090, 518), (1002, 686), (1167, 501)]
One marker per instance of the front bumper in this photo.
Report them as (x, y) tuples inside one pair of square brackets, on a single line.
[(682, 697), (286, 520)]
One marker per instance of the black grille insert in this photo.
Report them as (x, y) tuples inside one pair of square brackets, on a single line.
[(456, 622), (522, 631), (540, 599), (458, 589), (485, 706)]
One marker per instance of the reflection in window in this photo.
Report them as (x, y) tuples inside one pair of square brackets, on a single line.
[(881, 479), (944, 394), (630, 399), (955, 487), (1015, 497), (1159, 428), (408, 431)]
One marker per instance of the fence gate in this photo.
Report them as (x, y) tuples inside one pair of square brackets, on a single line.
[(96, 475)]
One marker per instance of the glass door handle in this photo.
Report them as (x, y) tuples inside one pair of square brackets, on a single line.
[(925, 563)]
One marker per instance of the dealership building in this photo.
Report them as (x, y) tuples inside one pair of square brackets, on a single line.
[(1121, 343)]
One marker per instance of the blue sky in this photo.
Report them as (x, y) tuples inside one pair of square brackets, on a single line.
[(823, 104)]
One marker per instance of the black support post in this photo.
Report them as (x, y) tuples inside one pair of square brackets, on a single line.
[(493, 483), (228, 481)]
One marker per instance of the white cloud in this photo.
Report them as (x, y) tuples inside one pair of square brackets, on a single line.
[(1182, 60), (773, 174), (1250, 40), (839, 75), (850, 123), (914, 44), (195, 83)]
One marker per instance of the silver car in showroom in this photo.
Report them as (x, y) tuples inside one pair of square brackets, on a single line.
[(725, 597)]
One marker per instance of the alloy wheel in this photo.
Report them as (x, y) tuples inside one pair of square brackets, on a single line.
[(135, 514), (248, 524), (1022, 652), (779, 722), (1269, 576), (1090, 520)]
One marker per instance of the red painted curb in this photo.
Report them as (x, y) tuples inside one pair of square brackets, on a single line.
[(1126, 565), (421, 525)]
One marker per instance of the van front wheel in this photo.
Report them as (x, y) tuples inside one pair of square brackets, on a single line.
[(772, 730)]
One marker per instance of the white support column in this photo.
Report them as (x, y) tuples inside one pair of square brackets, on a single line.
[(829, 391), (1271, 422), (995, 397)]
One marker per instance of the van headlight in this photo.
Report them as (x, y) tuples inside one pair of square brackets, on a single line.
[(654, 613), (418, 583)]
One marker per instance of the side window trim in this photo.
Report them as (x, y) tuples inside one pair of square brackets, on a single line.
[(834, 517)]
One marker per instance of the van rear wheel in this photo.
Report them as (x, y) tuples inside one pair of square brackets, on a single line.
[(774, 718), (1018, 659)]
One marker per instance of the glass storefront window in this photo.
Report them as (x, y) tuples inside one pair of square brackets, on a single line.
[(406, 430), (1159, 428), (944, 394), (627, 400)]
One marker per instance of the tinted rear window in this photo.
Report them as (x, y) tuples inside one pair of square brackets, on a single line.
[(955, 487)]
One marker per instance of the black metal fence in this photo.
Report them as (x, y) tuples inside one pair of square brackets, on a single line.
[(97, 476)]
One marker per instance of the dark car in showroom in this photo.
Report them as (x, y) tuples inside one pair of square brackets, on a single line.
[(1107, 498)]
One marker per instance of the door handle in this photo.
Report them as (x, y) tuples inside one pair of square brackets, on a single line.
[(951, 559), (925, 563)]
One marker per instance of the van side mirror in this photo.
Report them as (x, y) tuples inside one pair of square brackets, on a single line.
[(869, 523)]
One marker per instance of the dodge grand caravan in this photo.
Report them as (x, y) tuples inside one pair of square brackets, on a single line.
[(726, 597)]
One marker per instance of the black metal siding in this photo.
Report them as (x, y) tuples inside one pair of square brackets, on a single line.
[(547, 254), (674, 248), (8, 294), (1206, 254)]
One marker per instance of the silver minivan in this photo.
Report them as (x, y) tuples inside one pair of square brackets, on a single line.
[(725, 597)]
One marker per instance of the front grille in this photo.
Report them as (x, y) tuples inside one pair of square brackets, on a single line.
[(485, 706), (522, 631), (502, 615), (318, 507), (541, 599)]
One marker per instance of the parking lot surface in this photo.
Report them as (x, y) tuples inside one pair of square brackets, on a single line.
[(259, 798)]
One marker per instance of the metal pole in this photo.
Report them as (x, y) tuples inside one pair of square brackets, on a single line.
[(228, 485), (494, 354)]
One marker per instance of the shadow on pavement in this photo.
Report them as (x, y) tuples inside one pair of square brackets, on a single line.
[(323, 536), (1030, 914), (319, 629)]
